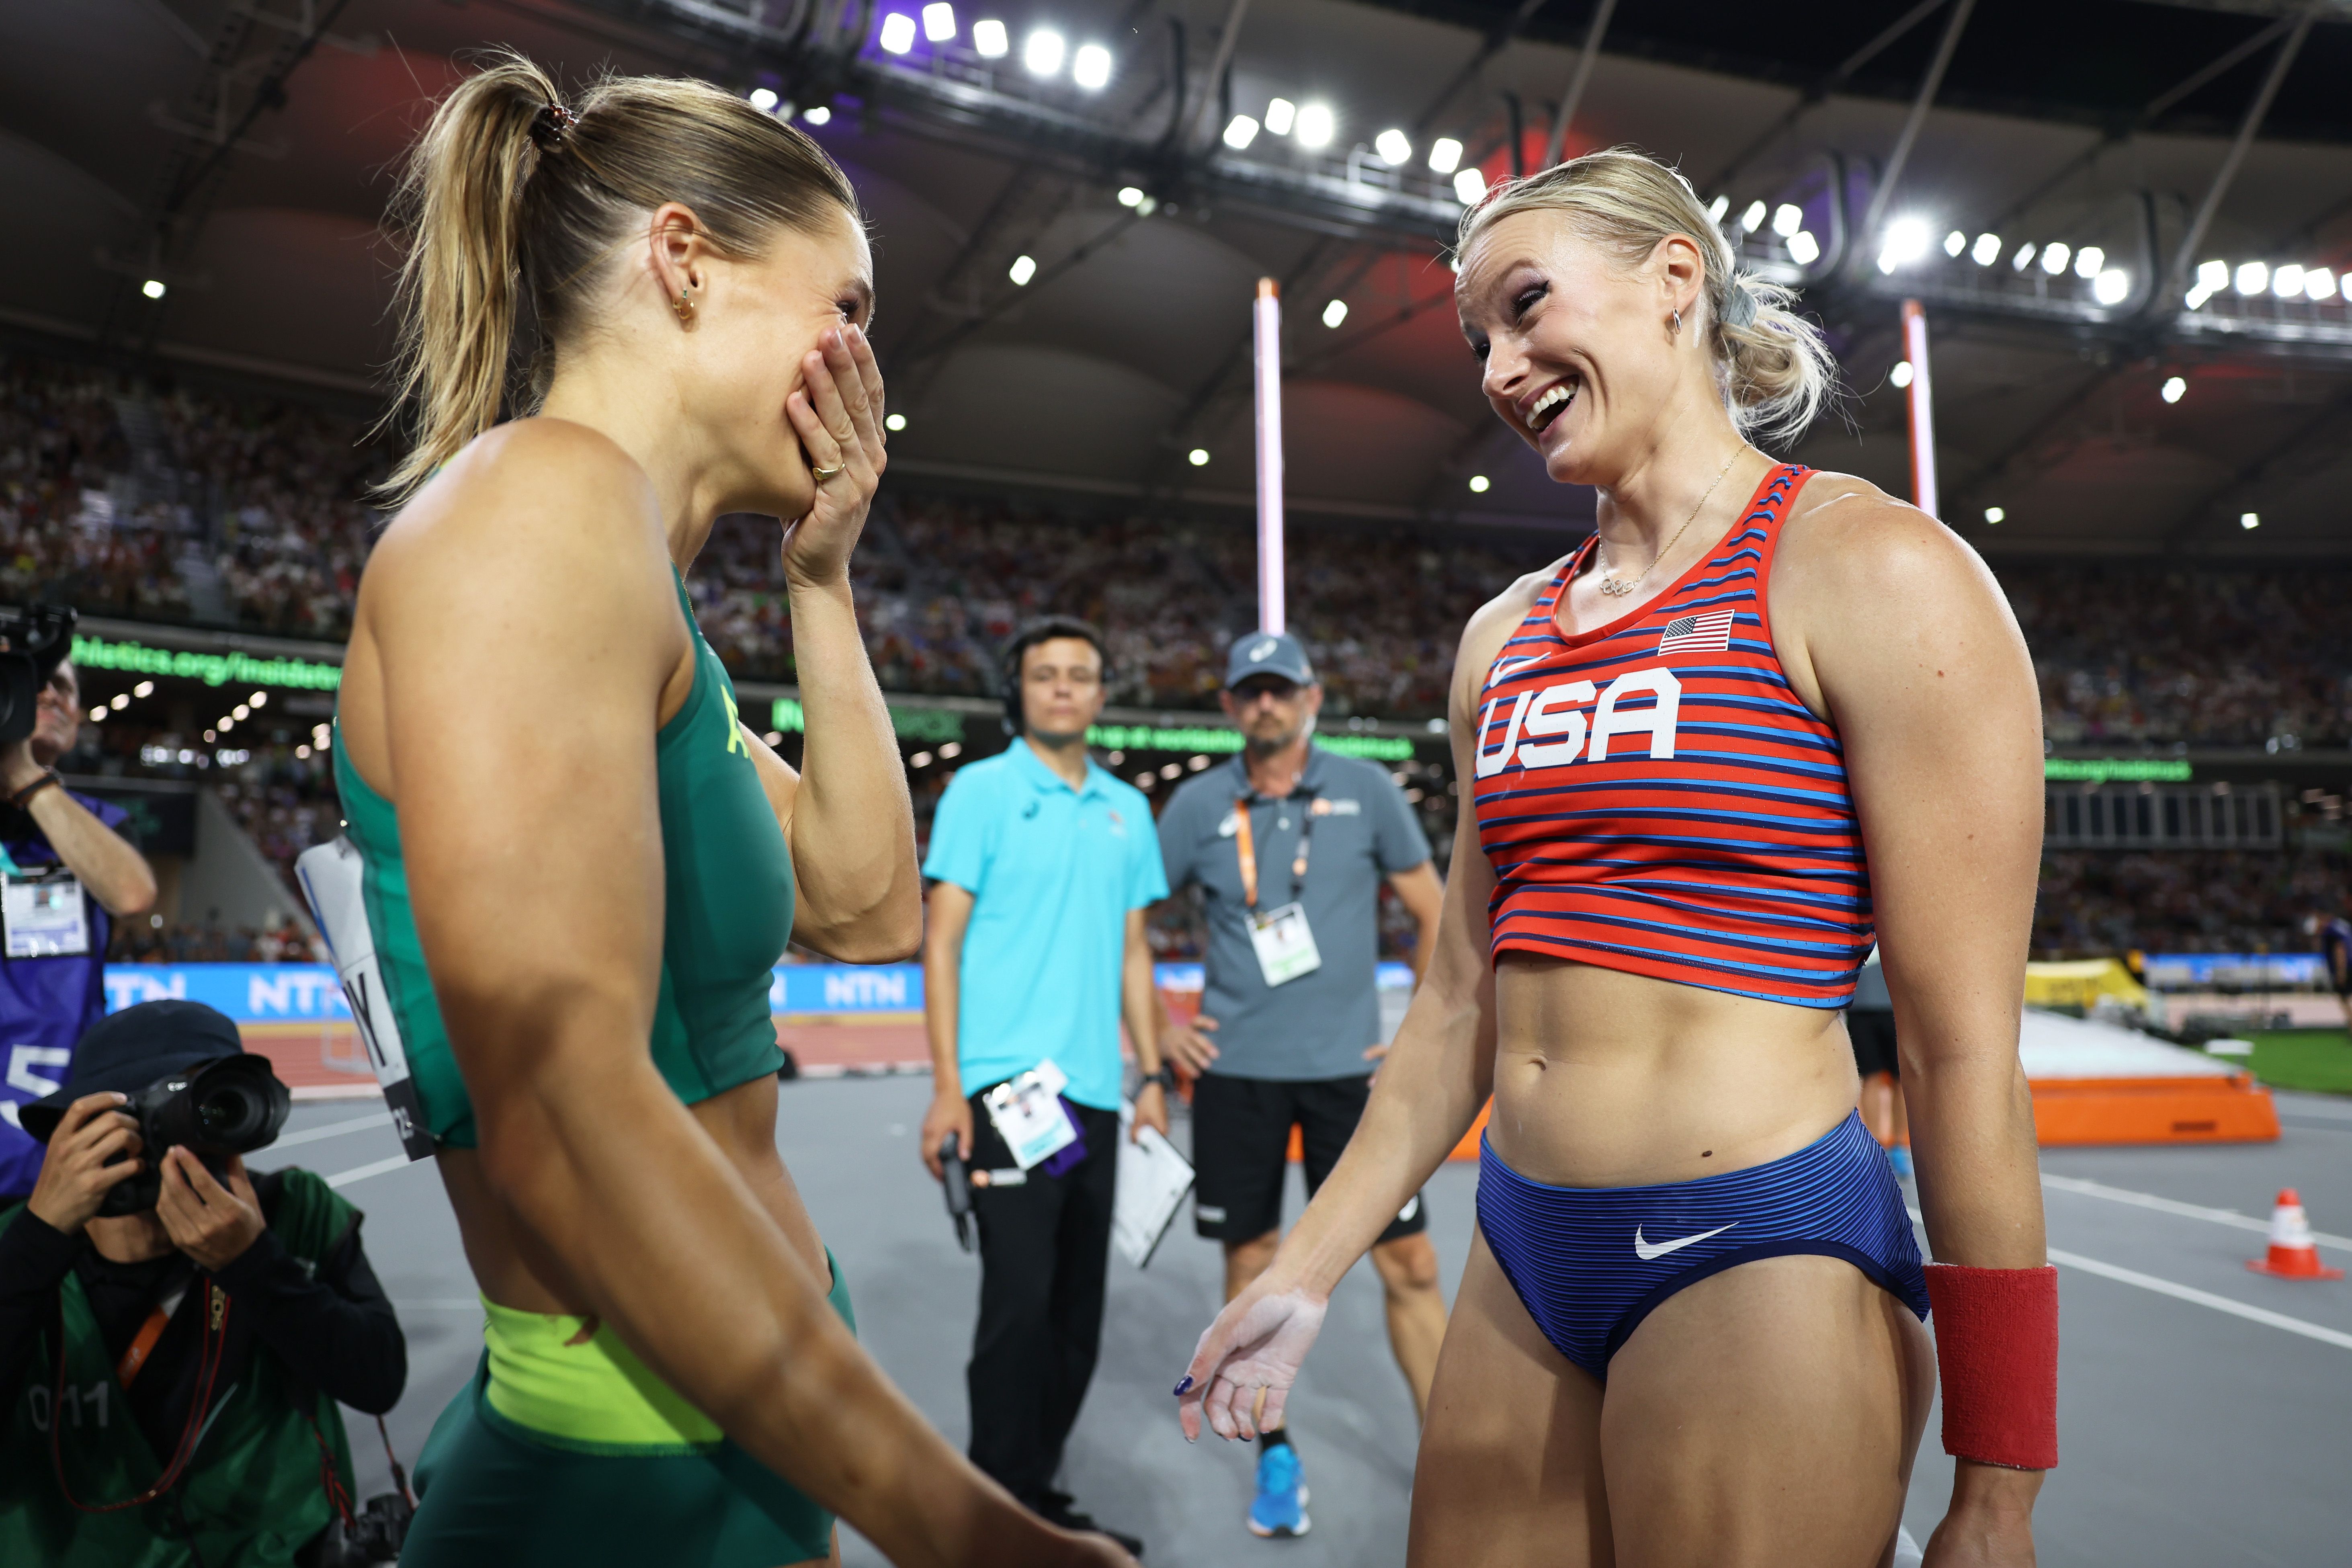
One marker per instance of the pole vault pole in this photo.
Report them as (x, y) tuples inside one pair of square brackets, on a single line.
[(1922, 403), (1266, 318)]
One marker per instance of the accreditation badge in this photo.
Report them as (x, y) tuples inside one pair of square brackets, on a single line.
[(1284, 943), (1027, 1114), (334, 882), (43, 914)]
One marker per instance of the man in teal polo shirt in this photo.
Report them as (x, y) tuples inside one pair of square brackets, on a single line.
[(1041, 866)]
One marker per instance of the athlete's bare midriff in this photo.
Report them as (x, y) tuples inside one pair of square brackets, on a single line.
[(512, 1272), (1608, 1080)]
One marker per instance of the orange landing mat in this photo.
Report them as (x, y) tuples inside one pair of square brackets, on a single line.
[(2230, 1108)]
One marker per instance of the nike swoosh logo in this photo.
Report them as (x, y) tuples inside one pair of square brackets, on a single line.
[(1648, 1251)]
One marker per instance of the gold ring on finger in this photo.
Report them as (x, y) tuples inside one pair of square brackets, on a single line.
[(824, 474)]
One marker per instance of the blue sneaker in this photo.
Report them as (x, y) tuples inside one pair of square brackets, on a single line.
[(1281, 1505)]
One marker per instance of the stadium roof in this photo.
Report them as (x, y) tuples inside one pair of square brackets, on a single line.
[(240, 156)]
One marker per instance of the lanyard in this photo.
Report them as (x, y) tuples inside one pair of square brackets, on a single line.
[(1245, 845)]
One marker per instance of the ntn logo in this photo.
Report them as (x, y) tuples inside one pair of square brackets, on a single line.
[(1557, 732)]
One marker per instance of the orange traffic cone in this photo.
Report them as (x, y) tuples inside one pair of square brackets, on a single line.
[(2291, 1254)]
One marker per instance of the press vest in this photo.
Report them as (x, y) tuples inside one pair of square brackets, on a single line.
[(250, 1498)]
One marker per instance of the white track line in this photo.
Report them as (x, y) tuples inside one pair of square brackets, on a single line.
[(2203, 1299), (2169, 1206), (346, 1178), (2188, 1293), (333, 1129)]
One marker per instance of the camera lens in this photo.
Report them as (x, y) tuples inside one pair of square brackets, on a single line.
[(230, 1113)]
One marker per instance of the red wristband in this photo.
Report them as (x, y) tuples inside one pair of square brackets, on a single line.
[(1997, 1353)]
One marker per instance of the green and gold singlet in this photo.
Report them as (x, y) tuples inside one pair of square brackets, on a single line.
[(727, 910), (565, 1448)]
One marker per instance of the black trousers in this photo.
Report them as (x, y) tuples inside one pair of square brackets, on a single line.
[(1044, 1255)]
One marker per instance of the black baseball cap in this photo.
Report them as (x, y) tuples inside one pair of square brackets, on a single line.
[(127, 1051)]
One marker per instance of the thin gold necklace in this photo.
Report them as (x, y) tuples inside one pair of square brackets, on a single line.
[(1609, 582)]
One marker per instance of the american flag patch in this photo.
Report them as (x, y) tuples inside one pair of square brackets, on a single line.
[(1710, 633)]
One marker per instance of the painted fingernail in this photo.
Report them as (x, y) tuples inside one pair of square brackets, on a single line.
[(1184, 1388)]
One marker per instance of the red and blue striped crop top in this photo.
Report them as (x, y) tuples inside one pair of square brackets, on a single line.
[(1654, 798)]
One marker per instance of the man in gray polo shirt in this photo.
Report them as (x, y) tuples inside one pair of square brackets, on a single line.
[(1289, 843)]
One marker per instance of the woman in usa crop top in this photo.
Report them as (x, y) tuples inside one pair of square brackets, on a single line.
[(1761, 718)]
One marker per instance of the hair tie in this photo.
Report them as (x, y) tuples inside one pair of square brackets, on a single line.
[(1740, 303), (550, 124)]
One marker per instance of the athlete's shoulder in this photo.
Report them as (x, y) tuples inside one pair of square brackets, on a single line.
[(1492, 624), (1848, 538), (527, 478)]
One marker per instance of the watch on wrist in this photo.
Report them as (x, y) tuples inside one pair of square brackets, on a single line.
[(1164, 1075)]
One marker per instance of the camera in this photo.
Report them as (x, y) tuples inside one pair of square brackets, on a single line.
[(34, 641), (231, 1105), (374, 1535)]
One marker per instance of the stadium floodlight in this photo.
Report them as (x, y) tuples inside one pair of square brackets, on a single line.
[(1478, 485), (1198, 456), (1987, 249), (1994, 514), (1281, 114), (2053, 257), (1906, 241), (1444, 155), (989, 39), (1041, 52), (1316, 125), (939, 21), (1787, 219), (153, 288), (2287, 281), (1090, 67), (2253, 277), (1901, 375), (1394, 147), (818, 114), (1717, 208), (2111, 286), (2024, 259), (2213, 276), (1954, 243), (1024, 269), (2250, 520), (1335, 313), (1803, 248), (895, 423), (2318, 284), (2174, 389), (119, 700), (1240, 132), (1469, 186), (1752, 218), (897, 32), (2090, 261), (1130, 195), (762, 98), (144, 689)]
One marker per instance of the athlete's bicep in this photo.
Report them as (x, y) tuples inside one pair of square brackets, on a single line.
[(1927, 680), (532, 840), (779, 780)]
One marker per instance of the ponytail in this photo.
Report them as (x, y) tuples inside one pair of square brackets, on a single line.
[(459, 286), (515, 204)]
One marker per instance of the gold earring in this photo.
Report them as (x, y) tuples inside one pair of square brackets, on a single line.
[(685, 305)]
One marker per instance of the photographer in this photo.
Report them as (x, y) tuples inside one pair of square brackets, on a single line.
[(207, 1340), (67, 873)]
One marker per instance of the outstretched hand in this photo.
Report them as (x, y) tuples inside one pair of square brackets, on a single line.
[(837, 412), (1256, 1346)]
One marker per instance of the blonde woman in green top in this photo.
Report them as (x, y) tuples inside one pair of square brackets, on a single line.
[(580, 866)]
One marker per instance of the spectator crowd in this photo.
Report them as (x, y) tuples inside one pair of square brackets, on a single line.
[(170, 501)]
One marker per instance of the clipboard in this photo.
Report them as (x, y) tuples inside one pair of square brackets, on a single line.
[(1154, 1182)]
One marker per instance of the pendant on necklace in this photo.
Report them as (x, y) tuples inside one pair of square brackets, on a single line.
[(1615, 589)]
